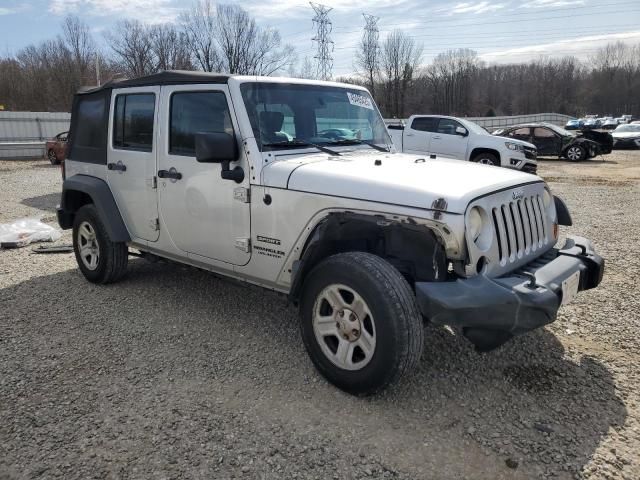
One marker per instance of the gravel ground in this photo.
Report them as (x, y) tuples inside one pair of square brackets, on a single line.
[(174, 373)]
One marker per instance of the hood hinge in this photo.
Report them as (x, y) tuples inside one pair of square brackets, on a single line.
[(242, 194)]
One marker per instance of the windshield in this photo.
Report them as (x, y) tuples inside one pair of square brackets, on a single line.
[(628, 128), (289, 115)]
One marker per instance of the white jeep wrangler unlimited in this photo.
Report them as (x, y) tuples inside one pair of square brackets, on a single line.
[(294, 185)]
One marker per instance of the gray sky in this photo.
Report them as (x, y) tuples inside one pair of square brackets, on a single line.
[(500, 30)]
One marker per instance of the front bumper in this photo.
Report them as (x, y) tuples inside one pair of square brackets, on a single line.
[(493, 310)]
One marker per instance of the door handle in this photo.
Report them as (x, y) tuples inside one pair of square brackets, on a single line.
[(436, 137), (172, 174), (117, 166)]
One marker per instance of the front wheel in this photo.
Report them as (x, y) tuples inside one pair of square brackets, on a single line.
[(53, 158), (486, 159), (576, 153), (360, 323)]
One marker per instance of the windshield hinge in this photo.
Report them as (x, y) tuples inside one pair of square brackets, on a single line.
[(242, 194), (244, 244), (152, 182), (154, 223)]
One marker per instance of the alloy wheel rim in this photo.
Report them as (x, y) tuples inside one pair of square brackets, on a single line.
[(52, 156), (344, 327), (486, 161), (88, 247), (573, 153)]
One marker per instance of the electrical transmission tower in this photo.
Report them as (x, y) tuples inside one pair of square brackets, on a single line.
[(324, 43), (371, 32)]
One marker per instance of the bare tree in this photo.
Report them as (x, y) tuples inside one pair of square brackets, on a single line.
[(132, 44), (246, 48), (400, 59), (170, 48), (200, 26)]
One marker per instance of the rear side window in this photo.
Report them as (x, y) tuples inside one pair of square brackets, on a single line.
[(425, 124), (196, 112), (90, 127), (543, 133), (133, 121)]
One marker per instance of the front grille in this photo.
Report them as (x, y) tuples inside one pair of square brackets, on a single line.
[(520, 227), (530, 153)]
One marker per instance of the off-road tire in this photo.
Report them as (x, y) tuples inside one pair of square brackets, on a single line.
[(113, 256), (53, 158), (486, 159), (398, 323), (579, 155)]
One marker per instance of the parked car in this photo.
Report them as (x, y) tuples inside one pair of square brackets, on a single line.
[(366, 242), (463, 140), (609, 124), (551, 140), (626, 136), (575, 124), (591, 123), (56, 148)]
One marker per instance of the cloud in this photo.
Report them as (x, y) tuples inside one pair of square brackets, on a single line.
[(580, 47), (477, 8), (147, 11), (551, 3)]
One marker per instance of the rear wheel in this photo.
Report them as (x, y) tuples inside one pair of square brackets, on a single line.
[(575, 153), (360, 323), (51, 155), (486, 159), (100, 260)]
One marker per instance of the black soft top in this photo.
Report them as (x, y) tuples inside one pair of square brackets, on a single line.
[(167, 77)]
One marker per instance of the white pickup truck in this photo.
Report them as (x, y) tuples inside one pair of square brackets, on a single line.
[(463, 140), (292, 185)]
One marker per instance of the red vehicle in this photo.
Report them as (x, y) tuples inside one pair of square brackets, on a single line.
[(57, 148)]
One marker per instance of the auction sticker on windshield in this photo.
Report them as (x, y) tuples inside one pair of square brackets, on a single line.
[(360, 100)]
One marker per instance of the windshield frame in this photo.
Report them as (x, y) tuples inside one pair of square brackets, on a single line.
[(380, 134)]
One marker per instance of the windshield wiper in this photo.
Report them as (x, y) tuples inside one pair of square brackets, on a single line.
[(355, 141), (299, 143)]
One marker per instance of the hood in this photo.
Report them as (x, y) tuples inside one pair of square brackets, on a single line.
[(399, 179), (625, 134)]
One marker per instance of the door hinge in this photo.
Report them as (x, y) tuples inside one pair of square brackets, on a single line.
[(154, 223), (242, 194), (244, 244), (152, 182)]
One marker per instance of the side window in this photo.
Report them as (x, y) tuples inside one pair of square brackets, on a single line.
[(196, 112), (520, 132), (424, 124), (448, 126), (90, 124), (133, 121), (543, 133)]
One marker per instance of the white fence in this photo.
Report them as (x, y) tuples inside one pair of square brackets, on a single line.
[(490, 123), (23, 134)]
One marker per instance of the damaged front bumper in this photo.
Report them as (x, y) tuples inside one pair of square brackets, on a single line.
[(493, 310)]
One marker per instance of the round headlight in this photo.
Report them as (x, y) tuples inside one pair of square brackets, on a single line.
[(475, 223)]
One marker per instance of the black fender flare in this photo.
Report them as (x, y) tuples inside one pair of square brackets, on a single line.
[(101, 197), (562, 211)]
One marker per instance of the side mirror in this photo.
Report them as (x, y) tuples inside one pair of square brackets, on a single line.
[(219, 147), (215, 147), (462, 131)]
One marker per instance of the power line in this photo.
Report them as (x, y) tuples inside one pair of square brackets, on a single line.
[(324, 43)]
